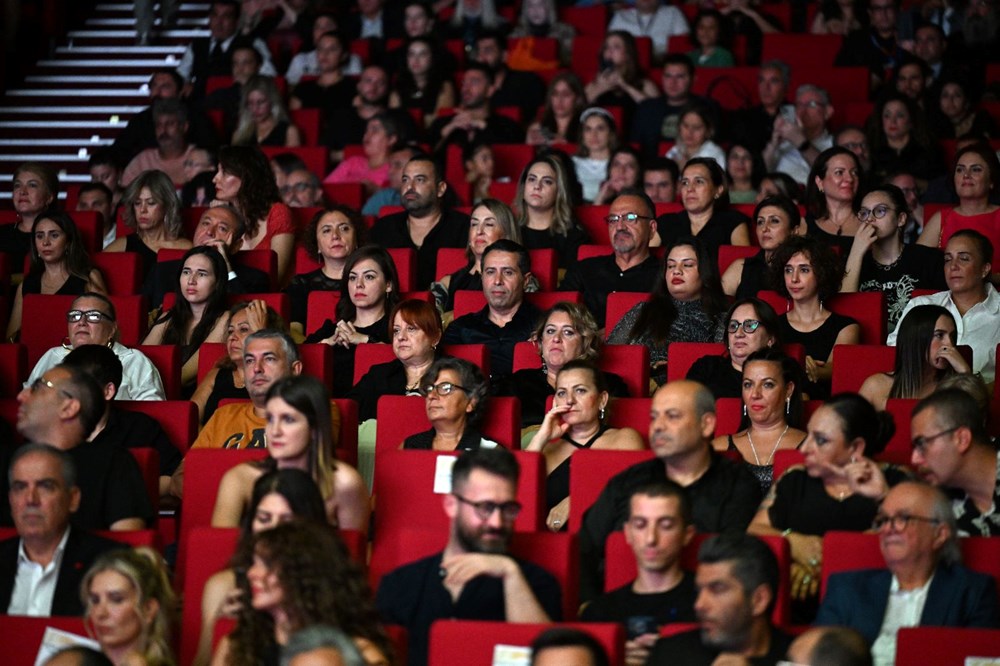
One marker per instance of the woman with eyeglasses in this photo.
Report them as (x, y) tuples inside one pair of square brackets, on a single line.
[(751, 325), (575, 422), (826, 492), (880, 261), (455, 393), (772, 413), (91, 320), (776, 218), (684, 307)]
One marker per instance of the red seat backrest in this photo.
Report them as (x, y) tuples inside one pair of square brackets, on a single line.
[(946, 646), (178, 418), (590, 474), (460, 642), (853, 364), (167, 360), (13, 368), (400, 416), (684, 354), (619, 303)]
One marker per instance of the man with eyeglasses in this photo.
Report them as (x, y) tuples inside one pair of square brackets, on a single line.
[(795, 145), (923, 584), (302, 189), (91, 320), (631, 222), (474, 578), (62, 408)]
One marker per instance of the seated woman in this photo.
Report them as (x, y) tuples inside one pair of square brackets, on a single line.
[(751, 326), (598, 139), (564, 101), (331, 88), (685, 306), (567, 332), (301, 574), (490, 221), (539, 18), (329, 238), (198, 312), (744, 170), (807, 273), (130, 606), (707, 28), (278, 496), (775, 183), (830, 191), (955, 113), (35, 188), (59, 265), (263, 119), (706, 215), (301, 429), (576, 421), (371, 169), (695, 131), (620, 81), (925, 355), (367, 297), (455, 394), (150, 207), (477, 158), (772, 411), (880, 261), (624, 171), (898, 138), (422, 84), (544, 202), (776, 218), (825, 493), (91, 320), (226, 379)]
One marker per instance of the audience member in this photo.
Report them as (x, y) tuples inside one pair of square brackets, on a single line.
[(170, 121), (540, 18), (796, 142), (321, 644), (830, 191), (345, 125), (624, 172), (653, 19), (830, 646), (35, 188), (423, 83), (620, 80), (561, 646), (659, 179), (709, 36), (98, 198), (657, 118), (776, 218), (875, 44), (455, 394), (597, 139), (560, 117), (753, 127), (544, 202), (391, 194), (263, 119), (475, 119), (511, 87)]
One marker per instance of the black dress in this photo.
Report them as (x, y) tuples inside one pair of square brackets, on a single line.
[(343, 357), (818, 344), (147, 257), (73, 286), (302, 285), (833, 240), (533, 389), (223, 389), (557, 483)]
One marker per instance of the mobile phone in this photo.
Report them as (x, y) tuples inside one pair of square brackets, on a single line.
[(788, 114), (637, 625)]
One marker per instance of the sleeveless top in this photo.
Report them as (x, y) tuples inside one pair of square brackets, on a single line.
[(146, 255), (818, 344), (73, 286), (278, 135), (834, 240), (557, 483), (988, 224), (223, 389)]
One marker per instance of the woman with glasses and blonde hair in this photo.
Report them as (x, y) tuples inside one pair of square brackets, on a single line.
[(544, 204), (263, 119), (455, 393)]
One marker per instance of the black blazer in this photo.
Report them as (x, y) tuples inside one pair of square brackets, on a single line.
[(82, 548)]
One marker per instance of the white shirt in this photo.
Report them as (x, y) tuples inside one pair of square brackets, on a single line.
[(304, 64), (266, 67), (140, 378), (979, 328), (659, 27), (591, 173), (110, 237), (35, 585), (903, 610), (790, 160), (371, 27), (707, 149)]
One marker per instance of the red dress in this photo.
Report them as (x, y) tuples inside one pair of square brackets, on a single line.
[(988, 224)]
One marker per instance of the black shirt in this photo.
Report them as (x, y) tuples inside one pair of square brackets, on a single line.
[(162, 279), (674, 605), (452, 230), (499, 129), (476, 328), (302, 285), (718, 231), (718, 375), (599, 276), (687, 649), (137, 430)]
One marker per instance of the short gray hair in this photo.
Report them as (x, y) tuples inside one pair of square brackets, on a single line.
[(941, 511), (67, 468), (808, 87), (289, 346), (321, 636)]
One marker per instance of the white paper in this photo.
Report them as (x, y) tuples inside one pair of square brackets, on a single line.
[(511, 655), (442, 474), (982, 661), (54, 640)]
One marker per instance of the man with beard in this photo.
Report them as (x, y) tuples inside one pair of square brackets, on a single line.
[(473, 578), (474, 121), (737, 582), (424, 225), (170, 118), (345, 124), (631, 222)]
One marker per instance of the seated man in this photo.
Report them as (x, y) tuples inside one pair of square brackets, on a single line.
[(41, 569), (473, 578), (737, 583), (823, 646), (268, 355), (924, 583), (220, 227), (562, 646), (97, 197), (62, 408), (631, 223), (657, 529), (507, 318)]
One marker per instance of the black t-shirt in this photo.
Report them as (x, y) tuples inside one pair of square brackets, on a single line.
[(718, 375), (302, 285), (674, 605), (452, 230), (687, 649), (598, 277), (918, 267), (137, 430), (111, 486)]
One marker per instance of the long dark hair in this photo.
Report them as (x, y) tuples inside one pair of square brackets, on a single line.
[(912, 350), (406, 84), (791, 373), (75, 256), (658, 315), (181, 313), (258, 189), (548, 119), (815, 198), (346, 310)]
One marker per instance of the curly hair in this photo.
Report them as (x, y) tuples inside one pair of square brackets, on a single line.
[(146, 571), (562, 214), (180, 315), (583, 323), (826, 265), (320, 584), (74, 257), (476, 385), (258, 188), (162, 190), (309, 238)]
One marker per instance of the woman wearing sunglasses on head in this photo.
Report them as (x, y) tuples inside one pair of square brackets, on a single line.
[(454, 391), (880, 261)]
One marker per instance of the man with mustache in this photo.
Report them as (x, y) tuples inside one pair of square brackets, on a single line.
[(631, 222), (473, 578), (170, 120)]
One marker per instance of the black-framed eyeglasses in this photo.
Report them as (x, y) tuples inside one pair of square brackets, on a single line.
[(627, 218), (442, 389), (298, 188), (749, 325), (92, 316), (900, 521), (508, 510), (878, 212), (920, 443)]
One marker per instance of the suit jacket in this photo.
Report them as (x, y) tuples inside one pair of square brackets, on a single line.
[(82, 548), (958, 597)]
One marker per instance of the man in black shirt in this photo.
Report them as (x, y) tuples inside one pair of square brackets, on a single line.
[(511, 87), (658, 528), (723, 494), (474, 121), (631, 222), (425, 225), (752, 127)]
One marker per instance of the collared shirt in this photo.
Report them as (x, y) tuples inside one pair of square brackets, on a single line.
[(477, 328), (659, 27), (790, 161), (35, 584), (970, 520), (109, 237), (979, 327), (371, 27), (903, 610), (598, 277)]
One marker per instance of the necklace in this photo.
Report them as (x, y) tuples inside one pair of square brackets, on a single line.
[(776, 445), (888, 267)]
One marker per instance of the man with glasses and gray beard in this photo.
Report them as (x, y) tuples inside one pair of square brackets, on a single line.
[(473, 578)]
